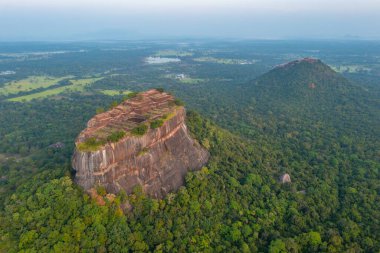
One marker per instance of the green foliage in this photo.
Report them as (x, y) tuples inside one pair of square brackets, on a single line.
[(140, 130), (160, 89), (311, 240), (143, 151), (59, 217), (132, 94), (114, 104), (90, 144), (101, 190), (253, 179), (156, 123), (99, 110), (116, 136), (277, 246), (179, 102)]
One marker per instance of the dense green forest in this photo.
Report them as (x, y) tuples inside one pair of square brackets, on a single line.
[(256, 127), (235, 204)]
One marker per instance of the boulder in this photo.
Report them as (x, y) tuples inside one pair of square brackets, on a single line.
[(285, 178)]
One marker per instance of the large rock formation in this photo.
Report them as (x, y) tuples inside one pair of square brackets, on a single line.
[(157, 159)]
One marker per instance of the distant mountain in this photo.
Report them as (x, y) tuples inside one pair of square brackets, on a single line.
[(300, 96), (305, 85), (309, 88)]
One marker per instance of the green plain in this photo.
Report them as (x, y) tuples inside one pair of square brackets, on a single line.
[(188, 80), (76, 86), (115, 92), (30, 83)]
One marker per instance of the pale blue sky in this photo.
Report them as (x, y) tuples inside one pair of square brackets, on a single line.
[(250, 19)]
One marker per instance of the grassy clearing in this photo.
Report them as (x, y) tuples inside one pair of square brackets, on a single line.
[(173, 53), (76, 86), (224, 60), (30, 83), (115, 92), (3, 157), (188, 80)]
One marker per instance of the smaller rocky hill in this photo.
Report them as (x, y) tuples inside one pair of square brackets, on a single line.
[(306, 87), (143, 141)]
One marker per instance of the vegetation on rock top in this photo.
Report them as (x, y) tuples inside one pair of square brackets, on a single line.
[(90, 144), (140, 130), (116, 136), (156, 123)]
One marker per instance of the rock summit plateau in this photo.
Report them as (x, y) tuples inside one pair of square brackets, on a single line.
[(143, 141)]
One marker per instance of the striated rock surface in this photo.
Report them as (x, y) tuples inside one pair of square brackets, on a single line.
[(158, 160)]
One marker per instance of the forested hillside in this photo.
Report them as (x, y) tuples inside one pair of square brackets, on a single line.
[(235, 204)]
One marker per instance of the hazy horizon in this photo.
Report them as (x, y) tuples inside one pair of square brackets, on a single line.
[(24, 20)]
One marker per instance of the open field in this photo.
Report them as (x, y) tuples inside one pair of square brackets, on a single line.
[(189, 80), (115, 92), (4, 157), (30, 83), (76, 86)]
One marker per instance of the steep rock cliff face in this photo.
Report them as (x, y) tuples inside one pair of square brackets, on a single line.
[(157, 160)]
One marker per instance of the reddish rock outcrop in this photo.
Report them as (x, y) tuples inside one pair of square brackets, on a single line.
[(292, 63), (158, 160)]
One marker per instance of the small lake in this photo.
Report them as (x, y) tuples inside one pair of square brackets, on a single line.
[(161, 60), (7, 72)]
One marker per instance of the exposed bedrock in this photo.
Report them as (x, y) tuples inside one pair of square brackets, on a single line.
[(158, 160)]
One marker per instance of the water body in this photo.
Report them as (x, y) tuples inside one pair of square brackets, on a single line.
[(7, 72), (160, 60)]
